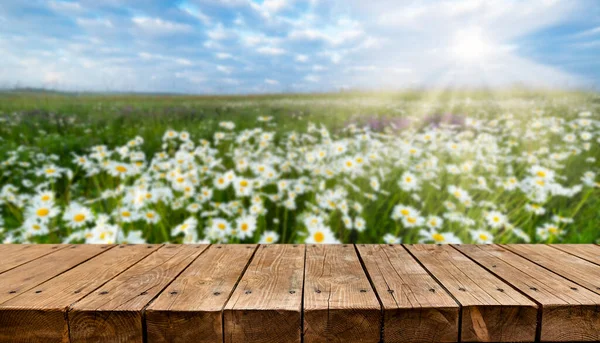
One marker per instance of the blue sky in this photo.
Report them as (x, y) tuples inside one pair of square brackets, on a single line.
[(255, 46)]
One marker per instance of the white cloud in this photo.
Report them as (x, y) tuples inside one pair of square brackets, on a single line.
[(160, 26), (231, 81), (223, 55), (270, 50), (195, 12), (301, 58), (94, 23), (590, 32), (65, 6), (271, 82), (219, 33), (53, 77), (225, 69), (148, 56), (312, 78), (342, 31), (183, 61), (191, 76)]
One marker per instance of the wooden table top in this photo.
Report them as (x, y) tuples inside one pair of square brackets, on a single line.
[(299, 293)]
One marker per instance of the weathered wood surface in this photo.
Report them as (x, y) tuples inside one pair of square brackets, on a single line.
[(578, 270), (590, 252), (266, 306), (492, 311), (114, 312), (293, 293), (14, 255), (569, 312), (189, 310), (38, 315), (416, 308), (339, 303)]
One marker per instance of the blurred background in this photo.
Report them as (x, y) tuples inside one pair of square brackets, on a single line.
[(273, 46)]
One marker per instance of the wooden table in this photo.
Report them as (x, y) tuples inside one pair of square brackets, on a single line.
[(293, 293)]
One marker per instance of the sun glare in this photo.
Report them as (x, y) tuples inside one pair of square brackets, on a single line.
[(471, 46)]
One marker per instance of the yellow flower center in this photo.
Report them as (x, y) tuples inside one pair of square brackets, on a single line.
[(437, 237), (45, 197), (126, 214), (541, 173), (405, 212), (244, 227), (244, 183), (78, 218), (483, 236), (42, 212), (319, 237), (121, 169), (221, 226), (269, 239)]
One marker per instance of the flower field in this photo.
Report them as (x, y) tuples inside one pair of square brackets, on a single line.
[(300, 169)]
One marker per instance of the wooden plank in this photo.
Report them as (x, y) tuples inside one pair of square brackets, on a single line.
[(578, 270), (569, 313), (39, 315), (14, 255), (339, 302), (194, 313), (492, 311), (266, 306), (114, 312), (416, 308), (25, 277), (589, 252)]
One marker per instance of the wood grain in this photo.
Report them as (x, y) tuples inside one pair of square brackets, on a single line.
[(14, 255), (589, 252), (266, 306), (416, 308), (39, 315), (25, 277), (578, 270), (492, 311), (194, 312), (114, 312), (339, 302), (569, 313)]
